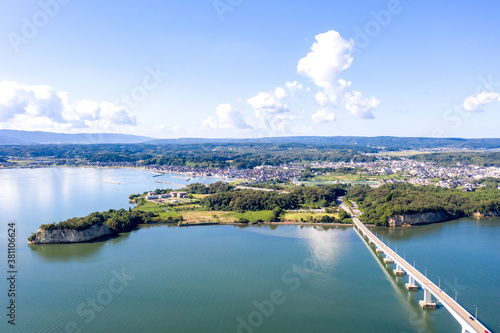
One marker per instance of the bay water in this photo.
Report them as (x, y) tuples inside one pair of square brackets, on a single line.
[(162, 278)]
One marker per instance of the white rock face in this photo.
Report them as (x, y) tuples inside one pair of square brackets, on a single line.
[(71, 236), (420, 218)]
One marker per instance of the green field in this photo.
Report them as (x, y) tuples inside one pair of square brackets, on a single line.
[(308, 216), (404, 153), (197, 216), (352, 179)]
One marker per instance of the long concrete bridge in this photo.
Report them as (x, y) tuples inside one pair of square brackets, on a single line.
[(468, 323)]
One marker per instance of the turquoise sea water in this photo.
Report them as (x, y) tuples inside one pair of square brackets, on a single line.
[(226, 278)]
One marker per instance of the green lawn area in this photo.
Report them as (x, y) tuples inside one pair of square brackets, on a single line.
[(404, 153), (200, 196), (152, 207), (264, 215), (306, 216), (355, 178), (194, 216)]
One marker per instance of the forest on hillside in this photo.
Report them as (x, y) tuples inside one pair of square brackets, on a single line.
[(240, 156), (378, 204), (249, 200)]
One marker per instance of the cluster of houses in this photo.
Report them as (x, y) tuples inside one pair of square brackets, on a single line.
[(421, 173), (402, 170), (284, 172), (155, 196)]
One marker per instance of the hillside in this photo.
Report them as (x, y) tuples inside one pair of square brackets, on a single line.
[(14, 137)]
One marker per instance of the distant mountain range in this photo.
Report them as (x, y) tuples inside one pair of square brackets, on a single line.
[(14, 137), (379, 141)]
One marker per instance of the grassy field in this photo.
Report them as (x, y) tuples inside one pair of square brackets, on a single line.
[(308, 216), (200, 196), (357, 178), (196, 216), (404, 153)]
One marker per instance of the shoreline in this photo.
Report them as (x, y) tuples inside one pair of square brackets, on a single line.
[(262, 223), (144, 169)]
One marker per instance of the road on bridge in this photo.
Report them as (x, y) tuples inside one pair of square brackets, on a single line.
[(443, 298)]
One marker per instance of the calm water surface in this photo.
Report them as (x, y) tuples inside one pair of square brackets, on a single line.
[(226, 278)]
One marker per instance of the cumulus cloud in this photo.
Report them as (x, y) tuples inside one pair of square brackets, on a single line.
[(278, 122), (293, 87), (323, 116), (280, 93), (331, 55), (474, 103), (210, 123), (269, 102), (42, 108), (227, 118), (269, 109), (359, 105)]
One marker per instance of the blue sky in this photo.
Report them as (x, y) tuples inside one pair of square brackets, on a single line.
[(243, 68)]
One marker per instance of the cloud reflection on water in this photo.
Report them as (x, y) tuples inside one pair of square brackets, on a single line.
[(324, 244)]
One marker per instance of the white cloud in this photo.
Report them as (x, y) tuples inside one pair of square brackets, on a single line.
[(177, 129), (279, 122), (230, 118), (331, 55), (227, 118), (210, 123), (323, 116), (280, 93), (474, 103), (268, 102), (359, 105), (293, 87), (333, 96), (42, 108), (270, 111)]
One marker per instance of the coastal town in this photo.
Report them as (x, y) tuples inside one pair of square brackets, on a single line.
[(382, 171)]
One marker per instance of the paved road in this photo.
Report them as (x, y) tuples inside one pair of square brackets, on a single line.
[(443, 298)]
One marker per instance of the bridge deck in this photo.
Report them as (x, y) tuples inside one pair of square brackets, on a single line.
[(443, 298)]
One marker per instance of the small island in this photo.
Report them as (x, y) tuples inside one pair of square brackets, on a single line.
[(272, 202), (199, 204)]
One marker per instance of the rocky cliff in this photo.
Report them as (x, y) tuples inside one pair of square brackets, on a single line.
[(420, 218), (71, 236), (489, 213)]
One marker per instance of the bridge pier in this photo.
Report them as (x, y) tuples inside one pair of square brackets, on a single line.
[(427, 302), (411, 284), (388, 260), (398, 271), (467, 322)]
